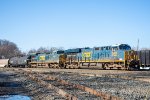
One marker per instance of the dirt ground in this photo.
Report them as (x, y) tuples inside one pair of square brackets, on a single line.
[(12, 83), (11, 86)]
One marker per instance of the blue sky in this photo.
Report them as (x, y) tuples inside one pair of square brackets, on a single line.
[(75, 23)]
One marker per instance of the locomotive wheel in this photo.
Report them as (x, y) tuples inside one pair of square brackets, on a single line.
[(57, 66), (71, 66), (49, 65), (119, 68), (111, 67), (25, 66), (76, 67), (10, 66), (104, 66), (54, 67), (67, 66)]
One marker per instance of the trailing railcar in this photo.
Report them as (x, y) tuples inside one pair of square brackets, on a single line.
[(19, 61), (144, 59)]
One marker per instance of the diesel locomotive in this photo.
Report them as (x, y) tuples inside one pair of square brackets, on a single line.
[(107, 57)]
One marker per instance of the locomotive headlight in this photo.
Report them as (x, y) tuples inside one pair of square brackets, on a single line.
[(25, 60), (120, 58)]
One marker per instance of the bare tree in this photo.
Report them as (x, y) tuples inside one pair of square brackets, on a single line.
[(8, 49), (134, 48), (32, 51), (60, 48), (145, 48), (45, 50), (53, 49)]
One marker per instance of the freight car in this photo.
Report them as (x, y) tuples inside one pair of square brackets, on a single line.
[(19, 61), (144, 59)]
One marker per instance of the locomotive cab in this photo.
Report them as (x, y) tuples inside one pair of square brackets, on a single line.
[(124, 47)]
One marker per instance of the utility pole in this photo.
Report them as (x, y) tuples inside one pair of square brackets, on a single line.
[(138, 45)]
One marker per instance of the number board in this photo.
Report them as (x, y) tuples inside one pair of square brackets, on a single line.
[(114, 53), (42, 58), (86, 54)]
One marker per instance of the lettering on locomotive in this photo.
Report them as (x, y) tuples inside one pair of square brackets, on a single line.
[(86, 54), (114, 53), (42, 58)]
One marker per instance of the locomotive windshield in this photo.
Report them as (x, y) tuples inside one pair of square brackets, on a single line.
[(121, 47), (124, 47)]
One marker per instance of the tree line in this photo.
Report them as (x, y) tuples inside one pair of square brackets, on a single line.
[(45, 50)]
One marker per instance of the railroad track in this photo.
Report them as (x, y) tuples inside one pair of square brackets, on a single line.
[(121, 76), (125, 88), (124, 85), (66, 88)]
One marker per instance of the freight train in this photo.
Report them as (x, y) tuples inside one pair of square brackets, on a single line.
[(108, 57)]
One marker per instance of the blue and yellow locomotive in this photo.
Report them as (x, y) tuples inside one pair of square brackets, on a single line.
[(108, 57), (50, 60)]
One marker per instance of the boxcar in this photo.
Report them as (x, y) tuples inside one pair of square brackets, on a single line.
[(144, 58)]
